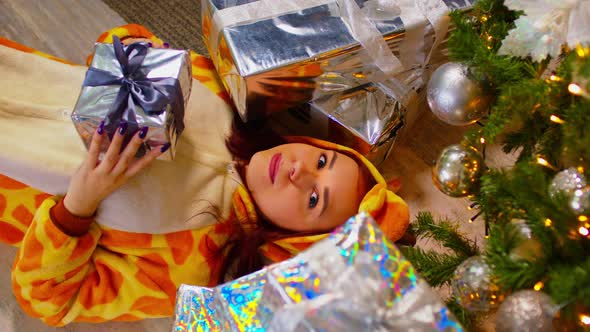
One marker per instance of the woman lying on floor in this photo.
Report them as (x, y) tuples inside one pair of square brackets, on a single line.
[(130, 231)]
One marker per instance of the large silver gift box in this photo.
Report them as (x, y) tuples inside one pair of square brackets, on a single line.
[(354, 280), (95, 102), (272, 55)]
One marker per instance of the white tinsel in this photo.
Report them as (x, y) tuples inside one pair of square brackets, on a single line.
[(546, 26)]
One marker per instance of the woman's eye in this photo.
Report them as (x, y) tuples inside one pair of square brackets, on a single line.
[(322, 161), (313, 199)]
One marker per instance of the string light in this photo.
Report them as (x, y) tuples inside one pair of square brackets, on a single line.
[(555, 78), (580, 169), (556, 119), (582, 51), (482, 140), (472, 206), (484, 18), (574, 88), (472, 219), (541, 161), (548, 222), (583, 218), (585, 319), (583, 231), (538, 286)]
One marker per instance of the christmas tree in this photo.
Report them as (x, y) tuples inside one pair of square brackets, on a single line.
[(530, 61)]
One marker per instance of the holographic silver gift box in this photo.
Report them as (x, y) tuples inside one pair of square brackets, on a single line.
[(275, 54), (162, 78), (354, 280)]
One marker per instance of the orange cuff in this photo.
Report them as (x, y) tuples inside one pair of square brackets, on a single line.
[(67, 222)]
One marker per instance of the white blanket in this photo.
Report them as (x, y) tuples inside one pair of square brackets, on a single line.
[(40, 147)]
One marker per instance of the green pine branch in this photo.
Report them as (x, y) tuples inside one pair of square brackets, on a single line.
[(438, 268), (467, 319), (445, 232)]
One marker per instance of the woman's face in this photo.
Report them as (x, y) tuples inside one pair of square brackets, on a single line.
[(304, 188)]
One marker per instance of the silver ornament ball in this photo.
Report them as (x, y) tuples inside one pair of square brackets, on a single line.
[(455, 97), (526, 310), (528, 248), (580, 200), (567, 181), (472, 286), (457, 170)]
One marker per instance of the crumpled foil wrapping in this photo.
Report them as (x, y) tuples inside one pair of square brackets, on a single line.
[(367, 119), (273, 55), (94, 101), (354, 280)]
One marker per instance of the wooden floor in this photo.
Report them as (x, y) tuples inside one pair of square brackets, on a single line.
[(64, 28), (68, 28)]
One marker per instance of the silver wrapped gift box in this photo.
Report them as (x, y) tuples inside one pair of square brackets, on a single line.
[(303, 55), (367, 119), (275, 54), (354, 280), (148, 92)]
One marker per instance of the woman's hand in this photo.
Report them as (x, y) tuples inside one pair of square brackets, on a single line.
[(95, 180)]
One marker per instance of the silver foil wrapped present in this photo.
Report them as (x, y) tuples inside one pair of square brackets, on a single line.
[(367, 119), (275, 54), (138, 85), (354, 280)]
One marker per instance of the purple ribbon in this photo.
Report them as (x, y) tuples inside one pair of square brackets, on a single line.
[(151, 94)]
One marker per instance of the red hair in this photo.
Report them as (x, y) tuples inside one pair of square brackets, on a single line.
[(243, 257), (245, 140)]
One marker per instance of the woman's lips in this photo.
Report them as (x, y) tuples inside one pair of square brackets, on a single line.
[(273, 166)]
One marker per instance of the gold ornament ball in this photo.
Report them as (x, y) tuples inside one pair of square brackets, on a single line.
[(457, 170), (473, 287)]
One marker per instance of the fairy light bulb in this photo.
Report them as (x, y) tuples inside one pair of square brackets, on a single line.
[(541, 161), (548, 222), (583, 231), (585, 319), (582, 51), (555, 78), (482, 140), (574, 89), (538, 286), (556, 119), (583, 218)]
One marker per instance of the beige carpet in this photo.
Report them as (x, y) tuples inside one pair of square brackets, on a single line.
[(177, 22)]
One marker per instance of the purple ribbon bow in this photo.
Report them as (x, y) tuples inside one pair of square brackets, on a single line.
[(151, 94)]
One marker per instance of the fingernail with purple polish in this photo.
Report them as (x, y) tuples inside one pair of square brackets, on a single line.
[(100, 129), (165, 147), (122, 128), (166, 45), (143, 132)]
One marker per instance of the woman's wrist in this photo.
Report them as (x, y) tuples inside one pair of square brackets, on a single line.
[(78, 208), (68, 222)]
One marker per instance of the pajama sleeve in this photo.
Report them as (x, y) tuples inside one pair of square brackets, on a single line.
[(61, 278)]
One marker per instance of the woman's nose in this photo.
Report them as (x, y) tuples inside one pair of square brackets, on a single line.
[(300, 175)]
